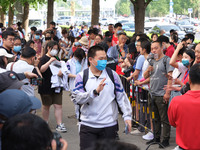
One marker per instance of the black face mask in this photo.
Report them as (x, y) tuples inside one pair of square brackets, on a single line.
[(47, 38)]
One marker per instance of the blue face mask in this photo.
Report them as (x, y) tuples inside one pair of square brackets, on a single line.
[(185, 62), (37, 37), (66, 42), (78, 66), (77, 44), (118, 32), (17, 49), (135, 44), (101, 64)]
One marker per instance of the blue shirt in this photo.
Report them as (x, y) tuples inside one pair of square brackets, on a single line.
[(139, 65)]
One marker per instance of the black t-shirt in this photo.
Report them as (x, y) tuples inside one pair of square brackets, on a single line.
[(45, 88)]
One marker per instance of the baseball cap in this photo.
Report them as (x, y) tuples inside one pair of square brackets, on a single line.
[(15, 102), (8, 80), (3, 52)]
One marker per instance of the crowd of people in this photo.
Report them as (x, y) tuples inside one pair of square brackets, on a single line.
[(87, 63)]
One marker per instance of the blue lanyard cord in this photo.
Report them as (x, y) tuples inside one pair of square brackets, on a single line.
[(186, 75)]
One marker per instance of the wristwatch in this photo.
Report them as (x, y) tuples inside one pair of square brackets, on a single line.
[(95, 92)]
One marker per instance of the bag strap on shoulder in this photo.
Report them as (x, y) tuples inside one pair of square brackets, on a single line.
[(11, 67), (85, 77)]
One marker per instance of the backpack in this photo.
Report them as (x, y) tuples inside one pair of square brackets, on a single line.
[(110, 74)]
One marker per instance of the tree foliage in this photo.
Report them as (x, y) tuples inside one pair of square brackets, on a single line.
[(158, 8), (123, 7), (181, 6)]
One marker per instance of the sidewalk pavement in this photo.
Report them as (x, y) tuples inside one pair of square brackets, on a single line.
[(72, 135)]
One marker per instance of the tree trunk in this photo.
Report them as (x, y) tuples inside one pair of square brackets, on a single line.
[(139, 9), (11, 15), (95, 12), (50, 12), (3, 18), (25, 18), (19, 11)]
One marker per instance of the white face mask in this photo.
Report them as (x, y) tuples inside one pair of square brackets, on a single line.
[(53, 52)]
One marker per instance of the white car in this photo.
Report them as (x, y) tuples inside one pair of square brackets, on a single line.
[(66, 20)]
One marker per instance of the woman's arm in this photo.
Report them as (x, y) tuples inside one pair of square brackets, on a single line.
[(174, 56), (46, 65)]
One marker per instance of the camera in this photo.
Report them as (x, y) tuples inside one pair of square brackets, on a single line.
[(129, 70), (151, 58), (36, 81), (57, 137), (185, 88)]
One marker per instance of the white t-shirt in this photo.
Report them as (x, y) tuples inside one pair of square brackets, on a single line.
[(22, 66), (144, 68), (179, 72), (2, 70)]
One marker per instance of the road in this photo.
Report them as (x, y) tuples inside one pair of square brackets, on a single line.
[(72, 136)]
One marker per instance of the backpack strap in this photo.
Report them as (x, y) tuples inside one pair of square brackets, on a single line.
[(11, 67), (110, 74), (85, 77), (165, 62)]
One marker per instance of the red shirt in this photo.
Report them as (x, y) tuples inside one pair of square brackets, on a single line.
[(169, 51), (114, 40), (183, 113), (185, 77)]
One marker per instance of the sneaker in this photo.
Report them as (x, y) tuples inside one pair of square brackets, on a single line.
[(149, 136), (165, 143), (176, 148), (157, 140), (136, 132), (61, 128)]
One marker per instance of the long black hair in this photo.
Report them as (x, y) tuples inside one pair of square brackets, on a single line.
[(51, 44), (80, 54)]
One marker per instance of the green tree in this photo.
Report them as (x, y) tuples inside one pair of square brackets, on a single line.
[(181, 7), (123, 7), (26, 5), (4, 5), (158, 8)]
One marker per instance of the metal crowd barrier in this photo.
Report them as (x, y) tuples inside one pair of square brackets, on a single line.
[(142, 107)]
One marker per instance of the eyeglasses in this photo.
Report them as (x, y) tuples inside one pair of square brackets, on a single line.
[(124, 39), (11, 39)]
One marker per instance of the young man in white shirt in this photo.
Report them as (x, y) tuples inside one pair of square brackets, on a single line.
[(26, 63), (99, 98)]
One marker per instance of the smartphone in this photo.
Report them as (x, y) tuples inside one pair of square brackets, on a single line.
[(126, 129), (36, 81)]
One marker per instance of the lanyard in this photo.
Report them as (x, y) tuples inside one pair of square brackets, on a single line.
[(186, 75)]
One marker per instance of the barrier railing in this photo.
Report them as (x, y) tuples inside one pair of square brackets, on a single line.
[(139, 97), (136, 95)]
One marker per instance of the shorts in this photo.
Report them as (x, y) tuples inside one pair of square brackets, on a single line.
[(49, 99)]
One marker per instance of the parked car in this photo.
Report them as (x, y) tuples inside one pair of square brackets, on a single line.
[(130, 26), (66, 20), (186, 26), (167, 27)]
